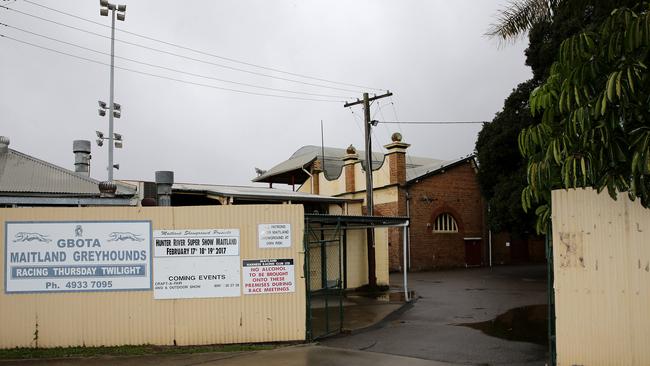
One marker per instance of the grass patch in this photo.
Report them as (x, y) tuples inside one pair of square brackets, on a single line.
[(62, 352)]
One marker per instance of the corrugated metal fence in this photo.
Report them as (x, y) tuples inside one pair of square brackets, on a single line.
[(602, 279), (134, 317)]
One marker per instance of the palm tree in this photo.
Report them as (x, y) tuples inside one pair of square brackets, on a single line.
[(519, 16)]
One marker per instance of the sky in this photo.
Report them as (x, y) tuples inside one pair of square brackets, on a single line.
[(433, 55)]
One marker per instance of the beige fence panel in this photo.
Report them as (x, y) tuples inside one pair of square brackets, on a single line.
[(602, 279), (134, 317)]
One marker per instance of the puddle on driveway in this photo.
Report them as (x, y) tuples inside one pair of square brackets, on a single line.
[(524, 324)]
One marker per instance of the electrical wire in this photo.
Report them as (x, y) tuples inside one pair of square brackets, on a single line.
[(355, 118), (166, 77), (409, 160), (178, 55), (202, 52), (433, 122), (169, 68)]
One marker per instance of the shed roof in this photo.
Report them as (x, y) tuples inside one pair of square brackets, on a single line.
[(254, 193), (22, 174)]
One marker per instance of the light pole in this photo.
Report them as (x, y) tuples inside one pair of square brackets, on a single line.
[(105, 6)]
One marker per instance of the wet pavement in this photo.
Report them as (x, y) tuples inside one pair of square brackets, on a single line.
[(308, 355), (477, 316), (437, 327), (523, 324)]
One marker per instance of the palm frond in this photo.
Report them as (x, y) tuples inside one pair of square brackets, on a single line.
[(519, 16)]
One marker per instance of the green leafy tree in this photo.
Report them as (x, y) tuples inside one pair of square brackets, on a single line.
[(502, 170), (594, 129)]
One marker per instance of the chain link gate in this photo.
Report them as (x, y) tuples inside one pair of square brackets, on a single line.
[(324, 272)]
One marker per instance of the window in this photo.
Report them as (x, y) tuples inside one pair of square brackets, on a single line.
[(445, 223)]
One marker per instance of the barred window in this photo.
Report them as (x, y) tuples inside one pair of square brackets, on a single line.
[(445, 223)]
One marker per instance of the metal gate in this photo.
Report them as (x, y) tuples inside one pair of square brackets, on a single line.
[(324, 271)]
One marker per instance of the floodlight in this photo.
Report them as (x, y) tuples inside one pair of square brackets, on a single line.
[(103, 12), (101, 112), (117, 107), (374, 122), (116, 166), (100, 134), (117, 136), (121, 8), (120, 16), (101, 104), (103, 3), (100, 142), (117, 114), (118, 144)]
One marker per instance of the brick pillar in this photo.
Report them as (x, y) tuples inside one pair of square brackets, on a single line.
[(316, 169), (396, 153), (349, 161)]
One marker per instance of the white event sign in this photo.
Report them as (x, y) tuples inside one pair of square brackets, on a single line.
[(196, 263), (77, 256), (274, 235), (269, 276)]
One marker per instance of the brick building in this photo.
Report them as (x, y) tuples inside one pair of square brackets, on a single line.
[(442, 199)]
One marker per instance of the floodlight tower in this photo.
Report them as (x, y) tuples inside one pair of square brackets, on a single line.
[(105, 6)]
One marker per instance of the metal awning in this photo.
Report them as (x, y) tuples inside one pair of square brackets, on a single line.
[(360, 222)]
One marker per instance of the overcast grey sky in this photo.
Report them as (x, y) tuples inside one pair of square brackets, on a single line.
[(431, 54)]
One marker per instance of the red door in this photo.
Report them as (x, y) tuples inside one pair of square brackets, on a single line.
[(473, 252)]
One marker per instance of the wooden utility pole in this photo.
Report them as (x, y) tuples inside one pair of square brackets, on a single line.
[(367, 125)]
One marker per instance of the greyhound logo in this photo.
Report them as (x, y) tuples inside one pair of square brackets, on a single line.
[(78, 231), (23, 236), (124, 236)]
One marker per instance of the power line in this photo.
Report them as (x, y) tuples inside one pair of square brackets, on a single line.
[(179, 55), (433, 122), (203, 52), (169, 68), (399, 126), (166, 77)]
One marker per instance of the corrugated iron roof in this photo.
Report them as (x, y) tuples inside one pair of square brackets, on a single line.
[(24, 174), (333, 163), (421, 171), (261, 193)]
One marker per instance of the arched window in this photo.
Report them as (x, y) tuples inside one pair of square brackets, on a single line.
[(445, 223)]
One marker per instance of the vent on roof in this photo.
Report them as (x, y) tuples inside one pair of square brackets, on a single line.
[(164, 181), (81, 149), (4, 144)]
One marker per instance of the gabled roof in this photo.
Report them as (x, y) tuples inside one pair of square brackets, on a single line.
[(23, 175), (424, 171), (332, 164)]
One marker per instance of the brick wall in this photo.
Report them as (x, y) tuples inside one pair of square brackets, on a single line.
[(455, 191), (349, 177), (503, 246), (397, 167)]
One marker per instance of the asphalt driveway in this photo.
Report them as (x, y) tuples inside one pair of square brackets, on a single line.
[(430, 328)]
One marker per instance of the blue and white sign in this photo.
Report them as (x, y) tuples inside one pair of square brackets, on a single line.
[(77, 256)]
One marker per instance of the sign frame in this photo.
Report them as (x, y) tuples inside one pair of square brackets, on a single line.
[(6, 261), (260, 245)]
